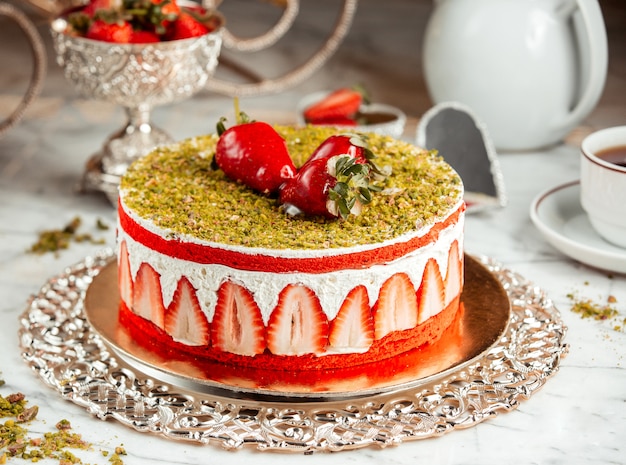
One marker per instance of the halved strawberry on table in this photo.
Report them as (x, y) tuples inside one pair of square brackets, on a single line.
[(338, 107), (336, 180), (252, 152)]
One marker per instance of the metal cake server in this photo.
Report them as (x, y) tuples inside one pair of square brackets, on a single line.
[(462, 140)]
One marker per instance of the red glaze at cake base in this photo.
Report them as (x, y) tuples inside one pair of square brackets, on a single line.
[(390, 346)]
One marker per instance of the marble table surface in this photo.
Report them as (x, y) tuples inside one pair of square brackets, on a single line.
[(578, 417)]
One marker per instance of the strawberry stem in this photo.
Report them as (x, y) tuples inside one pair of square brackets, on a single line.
[(353, 185), (237, 110), (220, 126)]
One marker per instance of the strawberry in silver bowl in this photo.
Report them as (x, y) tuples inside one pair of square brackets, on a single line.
[(137, 54)]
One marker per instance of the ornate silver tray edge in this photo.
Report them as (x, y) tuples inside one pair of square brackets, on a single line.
[(59, 345)]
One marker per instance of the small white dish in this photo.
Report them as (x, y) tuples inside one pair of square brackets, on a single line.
[(393, 128), (559, 216)]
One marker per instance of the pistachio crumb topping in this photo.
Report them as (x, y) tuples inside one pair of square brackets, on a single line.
[(176, 188)]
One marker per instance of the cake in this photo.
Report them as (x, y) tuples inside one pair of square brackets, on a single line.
[(210, 268)]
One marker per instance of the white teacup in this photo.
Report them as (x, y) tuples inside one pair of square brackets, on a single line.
[(603, 183)]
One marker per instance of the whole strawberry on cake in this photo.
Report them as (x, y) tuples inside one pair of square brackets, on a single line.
[(287, 248)]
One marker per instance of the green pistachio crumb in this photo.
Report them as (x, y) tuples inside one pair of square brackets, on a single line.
[(176, 187), (54, 240), (101, 225), (17, 442), (587, 308)]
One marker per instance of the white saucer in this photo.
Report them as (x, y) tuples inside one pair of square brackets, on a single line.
[(557, 213)]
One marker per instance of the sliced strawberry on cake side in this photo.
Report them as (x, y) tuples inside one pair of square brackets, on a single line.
[(147, 295), (184, 319), (396, 307), (298, 325), (454, 274), (124, 277), (431, 293), (237, 326), (252, 152), (353, 327)]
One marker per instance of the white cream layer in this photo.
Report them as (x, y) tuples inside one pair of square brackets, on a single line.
[(331, 288)]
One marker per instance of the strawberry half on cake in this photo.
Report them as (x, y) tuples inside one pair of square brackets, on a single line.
[(315, 251)]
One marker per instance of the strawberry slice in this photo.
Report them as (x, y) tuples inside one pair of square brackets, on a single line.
[(431, 294), (353, 327), (184, 319), (297, 325), (124, 278), (147, 295), (253, 153), (336, 180), (341, 103), (396, 307), (237, 325), (454, 275)]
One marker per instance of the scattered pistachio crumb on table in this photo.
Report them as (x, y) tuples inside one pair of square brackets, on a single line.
[(54, 240), (602, 311), (17, 443)]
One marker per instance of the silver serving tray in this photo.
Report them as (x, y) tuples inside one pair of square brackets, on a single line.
[(70, 356)]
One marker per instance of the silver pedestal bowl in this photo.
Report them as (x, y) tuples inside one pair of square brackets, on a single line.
[(137, 77)]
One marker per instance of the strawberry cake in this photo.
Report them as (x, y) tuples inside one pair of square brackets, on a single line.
[(221, 267)]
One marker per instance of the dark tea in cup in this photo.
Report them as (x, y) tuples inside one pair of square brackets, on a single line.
[(615, 155)]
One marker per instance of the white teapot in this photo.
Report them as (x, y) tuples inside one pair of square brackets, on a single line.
[(532, 70)]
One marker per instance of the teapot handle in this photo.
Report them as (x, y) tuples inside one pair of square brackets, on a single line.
[(591, 35)]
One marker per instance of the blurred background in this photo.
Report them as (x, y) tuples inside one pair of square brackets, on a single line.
[(382, 50)]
